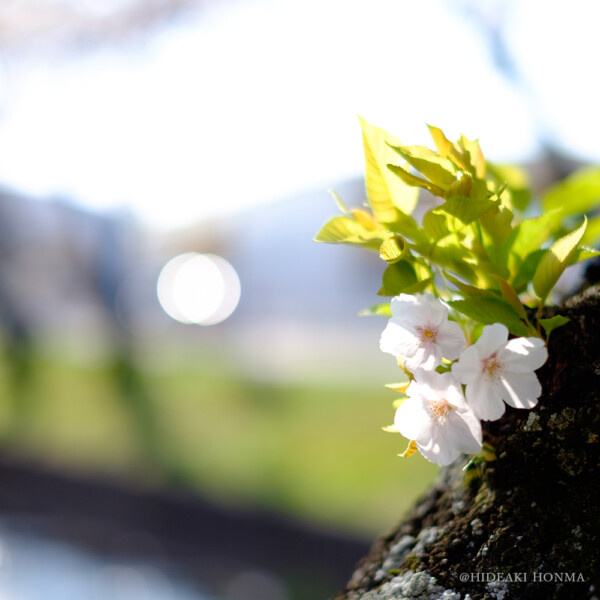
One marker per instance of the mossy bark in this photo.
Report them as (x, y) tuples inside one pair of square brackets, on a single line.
[(527, 525)]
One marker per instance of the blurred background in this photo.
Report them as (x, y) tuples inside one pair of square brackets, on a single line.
[(190, 406)]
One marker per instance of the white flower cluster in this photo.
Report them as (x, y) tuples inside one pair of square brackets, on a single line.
[(443, 410)]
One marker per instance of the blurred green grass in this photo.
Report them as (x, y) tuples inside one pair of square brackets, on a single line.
[(313, 449)]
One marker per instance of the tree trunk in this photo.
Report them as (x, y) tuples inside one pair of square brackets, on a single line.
[(525, 526)]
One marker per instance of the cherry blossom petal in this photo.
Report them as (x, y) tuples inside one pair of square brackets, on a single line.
[(468, 366), (450, 339), (520, 390), (397, 340), (430, 385), (434, 311), (464, 431), (523, 355), (485, 399), (453, 393), (440, 448), (426, 357), (406, 307), (413, 420), (491, 339)]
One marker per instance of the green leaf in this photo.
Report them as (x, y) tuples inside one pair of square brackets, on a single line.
[(553, 323), (466, 289), (397, 278), (555, 260), (420, 286), (412, 180), (532, 233), (385, 192), (436, 225), (438, 170), (453, 256), (407, 227), (526, 270), (579, 193), (511, 296), (486, 311), (346, 230), (497, 224), (378, 310), (517, 181), (393, 249), (467, 209)]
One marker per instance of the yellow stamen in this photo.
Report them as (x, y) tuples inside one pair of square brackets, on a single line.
[(439, 409), (426, 335), (491, 365)]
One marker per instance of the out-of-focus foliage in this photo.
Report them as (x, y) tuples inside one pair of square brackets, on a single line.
[(307, 449)]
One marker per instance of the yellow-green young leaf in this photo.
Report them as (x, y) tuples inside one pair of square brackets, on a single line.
[(397, 278), (338, 201), (436, 225), (410, 450), (497, 224), (592, 233), (398, 387), (577, 194), (365, 218), (420, 286), (438, 170), (517, 181), (379, 310), (474, 156), (584, 253), (461, 187), (490, 310), (412, 180), (443, 144), (407, 227), (555, 260), (467, 209), (398, 402), (390, 429), (454, 257), (345, 230), (526, 270), (393, 249), (532, 233), (385, 192), (553, 323)]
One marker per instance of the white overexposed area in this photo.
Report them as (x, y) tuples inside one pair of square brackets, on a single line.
[(243, 102)]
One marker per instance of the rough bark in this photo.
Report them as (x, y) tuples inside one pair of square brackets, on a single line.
[(525, 526)]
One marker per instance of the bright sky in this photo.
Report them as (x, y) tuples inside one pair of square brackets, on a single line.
[(257, 100)]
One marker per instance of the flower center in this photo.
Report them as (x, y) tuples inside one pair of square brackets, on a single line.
[(427, 335), (439, 409), (491, 366)]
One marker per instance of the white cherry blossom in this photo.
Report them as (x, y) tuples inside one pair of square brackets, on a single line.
[(420, 333), (437, 417), (496, 370)]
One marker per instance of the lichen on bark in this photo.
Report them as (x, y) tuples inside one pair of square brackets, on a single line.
[(527, 525)]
